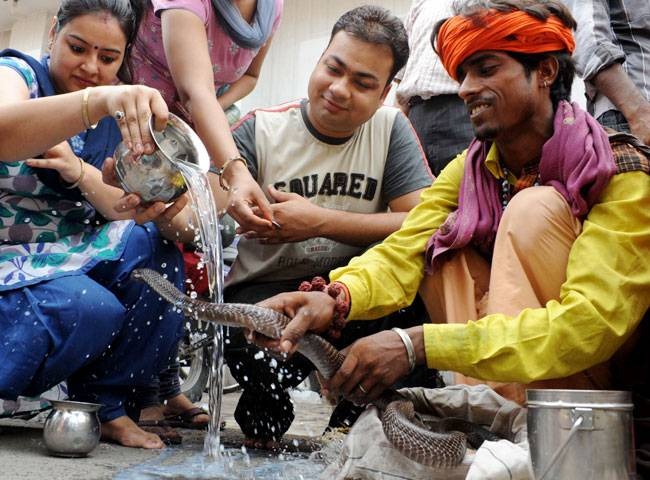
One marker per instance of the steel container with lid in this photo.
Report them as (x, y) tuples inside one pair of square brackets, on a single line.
[(581, 434)]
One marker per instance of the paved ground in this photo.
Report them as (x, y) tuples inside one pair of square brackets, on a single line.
[(23, 454)]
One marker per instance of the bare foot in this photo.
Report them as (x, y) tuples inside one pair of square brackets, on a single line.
[(262, 444), (124, 431)]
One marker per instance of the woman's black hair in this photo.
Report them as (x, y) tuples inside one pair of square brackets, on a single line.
[(127, 13)]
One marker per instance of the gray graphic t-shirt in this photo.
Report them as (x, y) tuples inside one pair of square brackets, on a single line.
[(381, 161)]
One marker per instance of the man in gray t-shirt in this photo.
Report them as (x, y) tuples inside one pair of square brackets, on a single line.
[(332, 195), (342, 171)]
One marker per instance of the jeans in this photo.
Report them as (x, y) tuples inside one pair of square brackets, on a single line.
[(615, 120)]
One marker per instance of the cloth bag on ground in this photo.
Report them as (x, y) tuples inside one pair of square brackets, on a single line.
[(368, 455)]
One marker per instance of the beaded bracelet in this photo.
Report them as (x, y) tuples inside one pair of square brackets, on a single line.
[(339, 293)]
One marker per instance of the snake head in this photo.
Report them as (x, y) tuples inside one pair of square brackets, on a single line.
[(137, 275)]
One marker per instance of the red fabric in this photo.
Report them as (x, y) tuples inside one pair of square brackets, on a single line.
[(197, 276), (460, 37)]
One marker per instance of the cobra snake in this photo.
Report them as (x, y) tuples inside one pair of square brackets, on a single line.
[(440, 449)]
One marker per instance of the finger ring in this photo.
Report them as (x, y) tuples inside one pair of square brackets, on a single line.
[(363, 390), (118, 115)]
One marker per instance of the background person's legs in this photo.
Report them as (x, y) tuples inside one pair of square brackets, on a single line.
[(163, 403), (443, 127), (615, 120)]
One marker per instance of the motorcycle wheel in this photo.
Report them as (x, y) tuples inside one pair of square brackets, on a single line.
[(194, 372), (195, 357)]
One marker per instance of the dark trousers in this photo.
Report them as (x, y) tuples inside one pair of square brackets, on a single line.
[(265, 410), (102, 331), (165, 385), (443, 127), (615, 120)]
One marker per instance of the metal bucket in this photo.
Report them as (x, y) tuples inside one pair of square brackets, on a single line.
[(585, 434)]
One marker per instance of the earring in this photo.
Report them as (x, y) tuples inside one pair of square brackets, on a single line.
[(544, 84)]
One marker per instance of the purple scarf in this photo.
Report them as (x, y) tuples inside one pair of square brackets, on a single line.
[(577, 161)]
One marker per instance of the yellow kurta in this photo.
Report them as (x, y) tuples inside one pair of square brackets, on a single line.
[(606, 293)]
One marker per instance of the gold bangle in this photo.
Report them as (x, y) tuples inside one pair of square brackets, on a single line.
[(84, 110), (219, 171), (81, 175)]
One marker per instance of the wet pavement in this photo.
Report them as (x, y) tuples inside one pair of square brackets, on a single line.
[(23, 454)]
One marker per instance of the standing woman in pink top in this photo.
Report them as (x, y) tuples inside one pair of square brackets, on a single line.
[(188, 50)]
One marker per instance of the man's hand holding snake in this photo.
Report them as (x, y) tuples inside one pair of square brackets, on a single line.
[(309, 312), (372, 364)]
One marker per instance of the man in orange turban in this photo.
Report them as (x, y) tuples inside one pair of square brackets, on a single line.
[(513, 31), (531, 250)]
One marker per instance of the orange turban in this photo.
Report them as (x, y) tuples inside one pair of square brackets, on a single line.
[(516, 31)]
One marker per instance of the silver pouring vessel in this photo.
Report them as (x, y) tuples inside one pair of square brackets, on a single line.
[(156, 176)]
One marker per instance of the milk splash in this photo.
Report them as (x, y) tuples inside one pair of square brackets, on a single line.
[(205, 212)]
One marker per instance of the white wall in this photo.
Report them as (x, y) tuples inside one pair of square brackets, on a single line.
[(29, 33), (4, 39)]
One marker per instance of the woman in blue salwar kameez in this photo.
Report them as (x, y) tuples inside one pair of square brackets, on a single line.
[(68, 307)]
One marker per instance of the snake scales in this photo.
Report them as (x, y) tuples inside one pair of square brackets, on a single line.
[(442, 448)]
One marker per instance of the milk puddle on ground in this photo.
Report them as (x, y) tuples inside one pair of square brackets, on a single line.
[(233, 464)]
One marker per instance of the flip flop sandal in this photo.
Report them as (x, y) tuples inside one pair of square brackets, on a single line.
[(184, 419)]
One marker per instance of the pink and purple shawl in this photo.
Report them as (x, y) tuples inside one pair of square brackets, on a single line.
[(577, 161)]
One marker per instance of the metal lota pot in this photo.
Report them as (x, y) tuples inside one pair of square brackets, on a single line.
[(581, 434), (156, 177), (72, 429)]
